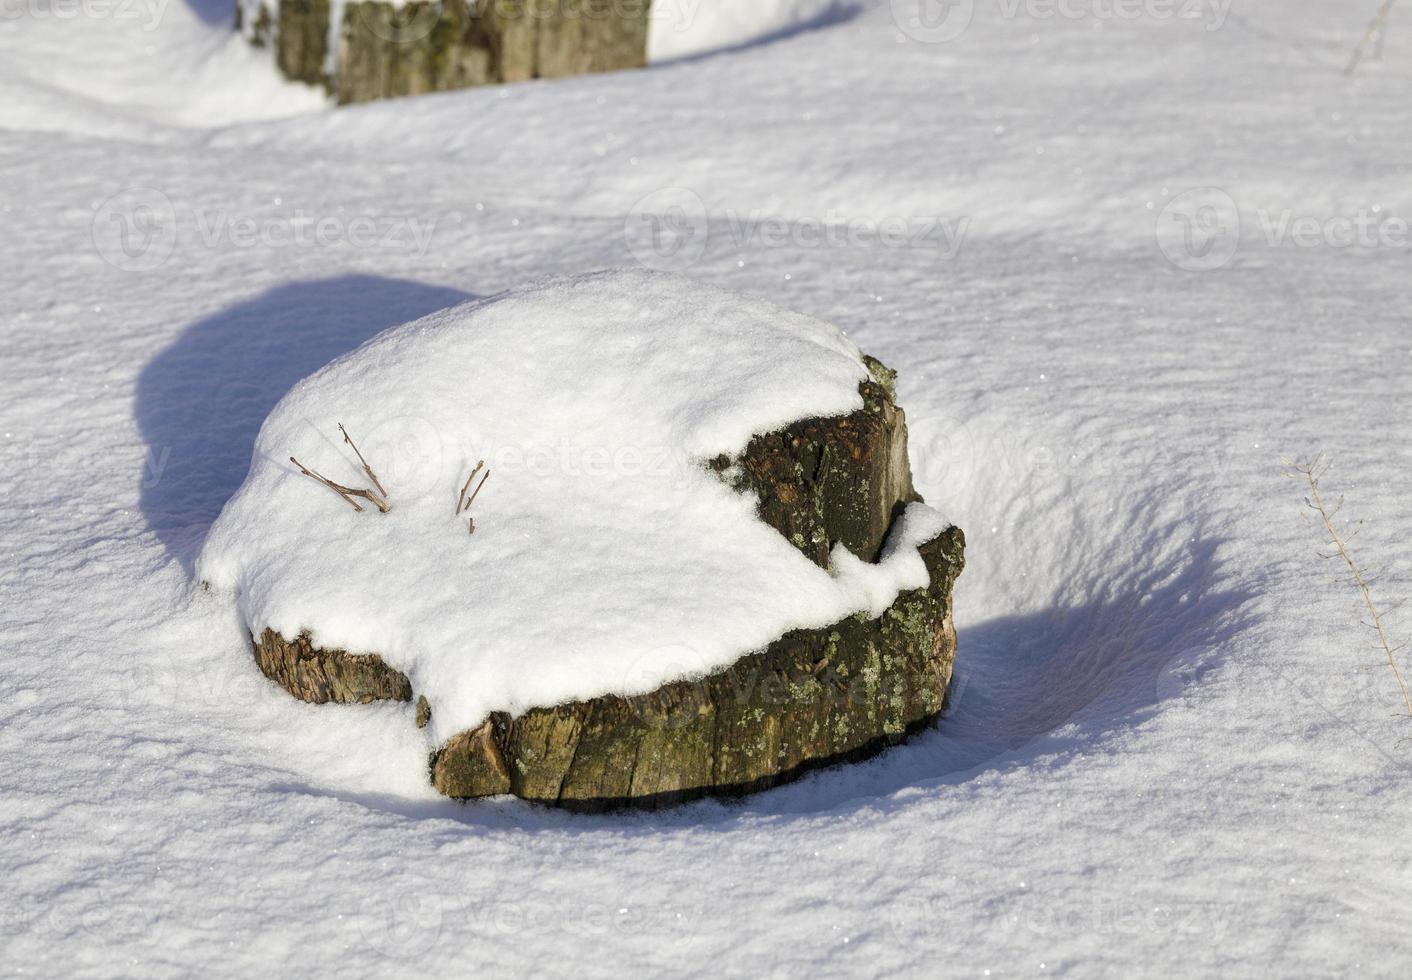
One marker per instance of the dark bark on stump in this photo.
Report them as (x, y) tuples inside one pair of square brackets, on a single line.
[(812, 698), (835, 480), (316, 675)]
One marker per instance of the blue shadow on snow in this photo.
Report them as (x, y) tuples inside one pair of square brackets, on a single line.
[(200, 403)]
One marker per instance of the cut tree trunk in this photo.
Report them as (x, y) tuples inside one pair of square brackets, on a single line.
[(813, 697), (384, 51)]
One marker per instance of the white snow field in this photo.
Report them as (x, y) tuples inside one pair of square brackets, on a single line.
[(1125, 262)]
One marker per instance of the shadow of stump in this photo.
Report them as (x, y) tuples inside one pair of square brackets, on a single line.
[(201, 402)]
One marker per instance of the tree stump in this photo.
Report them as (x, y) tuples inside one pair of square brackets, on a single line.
[(811, 698), (383, 51)]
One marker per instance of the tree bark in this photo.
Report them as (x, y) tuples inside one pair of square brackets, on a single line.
[(812, 698), (385, 51)]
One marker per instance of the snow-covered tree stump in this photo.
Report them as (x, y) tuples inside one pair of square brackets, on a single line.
[(814, 697), (370, 49), (728, 580)]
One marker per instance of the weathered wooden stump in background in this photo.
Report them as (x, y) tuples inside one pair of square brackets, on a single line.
[(813, 697), (378, 50)]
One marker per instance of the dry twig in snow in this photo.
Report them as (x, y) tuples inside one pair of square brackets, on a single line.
[(463, 503), (347, 493), (366, 468), (1377, 29), (461, 497), (1312, 473), (378, 499)]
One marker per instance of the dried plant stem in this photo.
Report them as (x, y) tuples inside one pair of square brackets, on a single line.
[(472, 498), (1312, 472), (1377, 30), (463, 503), (366, 468), (347, 493), (461, 497)]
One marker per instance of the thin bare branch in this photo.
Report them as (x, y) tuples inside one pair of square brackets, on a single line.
[(343, 492), (366, 468), (1312, 473), (477, 490), (1376, 32), (461, 497)]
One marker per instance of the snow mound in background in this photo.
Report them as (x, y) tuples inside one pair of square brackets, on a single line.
[(606, 557), (146, 66), (681, 28)]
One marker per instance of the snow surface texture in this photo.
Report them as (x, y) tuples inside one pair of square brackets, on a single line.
[(605, 551), (1165, 757), (682, 28)]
